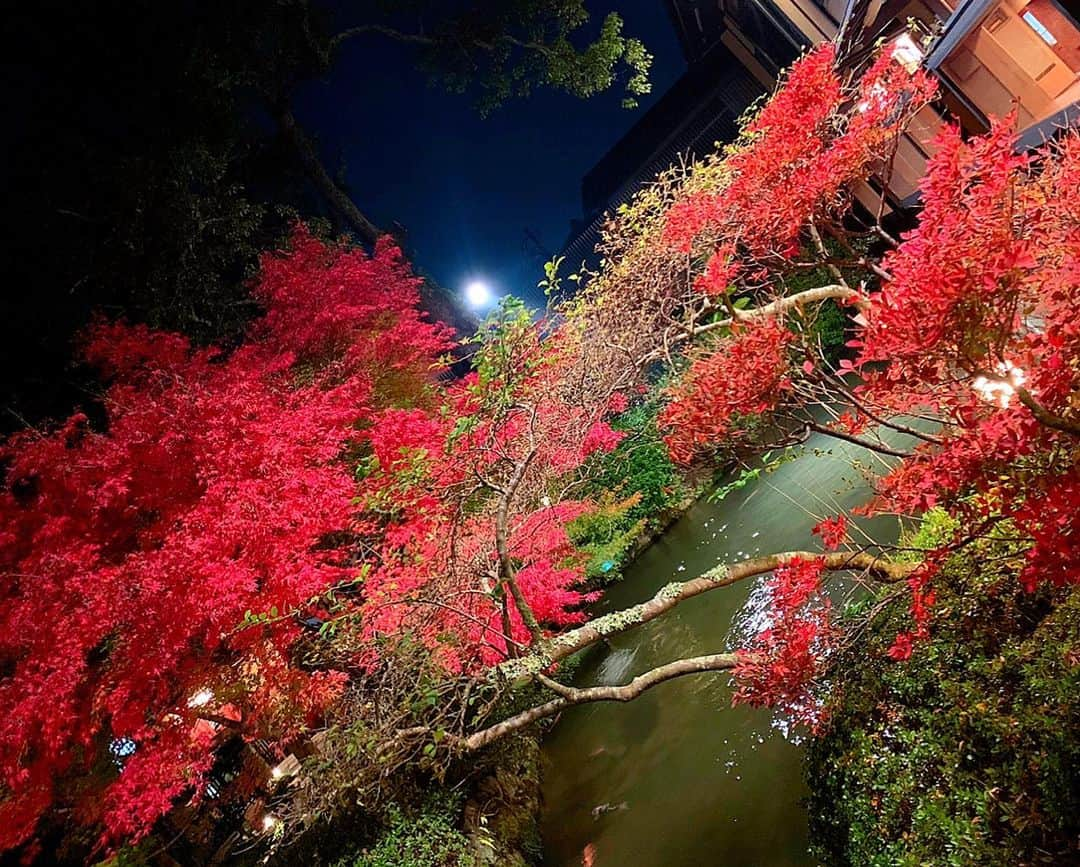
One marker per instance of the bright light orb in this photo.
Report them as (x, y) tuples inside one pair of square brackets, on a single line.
[(478, 294)]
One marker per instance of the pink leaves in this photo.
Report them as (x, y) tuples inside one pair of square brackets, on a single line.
[(399, 434), (600, 437), (813, 137), (216, 489)]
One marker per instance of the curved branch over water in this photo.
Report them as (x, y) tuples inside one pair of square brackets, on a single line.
[(570, 696)]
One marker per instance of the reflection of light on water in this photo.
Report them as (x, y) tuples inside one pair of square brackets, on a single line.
[(616, 666), (749, 621), (753, 618)]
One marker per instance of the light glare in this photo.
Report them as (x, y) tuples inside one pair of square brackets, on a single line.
[(202, 697), (1000, 391), (907, 53), (478, 294)]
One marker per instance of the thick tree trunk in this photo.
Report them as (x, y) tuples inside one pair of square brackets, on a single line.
[(670, 595), (367, 231)]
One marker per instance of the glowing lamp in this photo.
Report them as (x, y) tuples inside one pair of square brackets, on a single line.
[(478, 294)]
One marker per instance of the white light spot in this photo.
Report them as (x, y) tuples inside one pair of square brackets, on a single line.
[(906, 52), (478, 294), (875, 98), (1000, 391), (201, 698)]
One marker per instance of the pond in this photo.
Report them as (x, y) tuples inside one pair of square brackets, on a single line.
[(678, 777)]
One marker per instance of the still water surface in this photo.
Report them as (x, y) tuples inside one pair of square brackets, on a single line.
[(679, 778)]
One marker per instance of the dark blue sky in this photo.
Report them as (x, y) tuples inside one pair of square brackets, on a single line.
[(467, 188)]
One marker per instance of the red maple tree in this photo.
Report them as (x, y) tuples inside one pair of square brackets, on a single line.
[(967, 321), (212, 491)]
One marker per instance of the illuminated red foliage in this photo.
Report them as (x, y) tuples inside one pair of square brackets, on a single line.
[(775, 669), (980, 313), (601, 437), (833, 531), (805, 146), (901, 648), (744, 376), (720, 270), (975, 323), (131, 553), (438, 564), (157, 567)]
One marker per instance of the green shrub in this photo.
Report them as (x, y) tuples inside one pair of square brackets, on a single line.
[(968, 753), (429, 837), (641, 466), (607, 535), (636, 487), (828, 329)]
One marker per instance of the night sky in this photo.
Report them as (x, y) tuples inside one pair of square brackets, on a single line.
[(468, 189)]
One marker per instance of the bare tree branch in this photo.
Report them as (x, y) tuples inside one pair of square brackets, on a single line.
[(881, 448), (782, 305), (570, 696), (502, 546), (382, 30), (1044, 416)]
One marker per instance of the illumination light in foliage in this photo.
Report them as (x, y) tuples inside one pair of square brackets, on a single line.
[(1000, 391), (906, 52), (201, 698)]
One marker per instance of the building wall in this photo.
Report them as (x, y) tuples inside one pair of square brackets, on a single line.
[(991, 55), (1008, 59), (699, 110)]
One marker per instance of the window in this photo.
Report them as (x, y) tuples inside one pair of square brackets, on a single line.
[(1056, 28), (1039, 28)]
